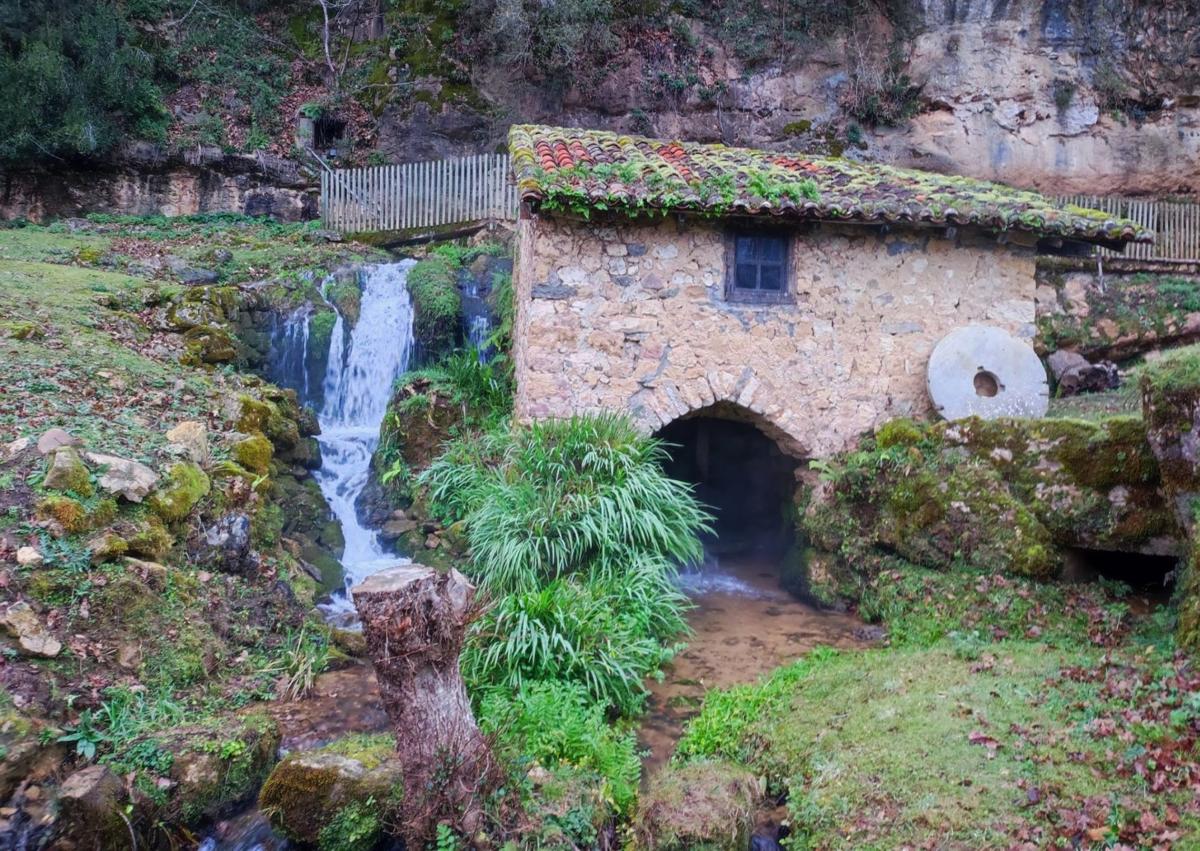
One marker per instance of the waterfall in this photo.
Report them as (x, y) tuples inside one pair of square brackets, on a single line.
[(363, 364), (477, 317)]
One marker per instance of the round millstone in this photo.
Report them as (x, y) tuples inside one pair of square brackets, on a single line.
[(986, 372)]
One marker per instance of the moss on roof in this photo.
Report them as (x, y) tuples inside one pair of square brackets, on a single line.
[(595, 170)]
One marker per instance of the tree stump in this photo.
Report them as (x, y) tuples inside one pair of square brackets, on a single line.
[(414, 619)]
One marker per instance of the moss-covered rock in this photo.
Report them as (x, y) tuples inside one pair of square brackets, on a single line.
[(77, 516), (208, 344), (437, 307), (326, 797), (67, 472), (698, 806), (1171, 402), (1001, 495), (184, 486), (345, 294), (150, 539), (254, 454)]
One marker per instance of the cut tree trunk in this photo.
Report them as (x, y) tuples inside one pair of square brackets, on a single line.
[(414, 619)]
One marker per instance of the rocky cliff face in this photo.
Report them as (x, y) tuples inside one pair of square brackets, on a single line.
[(147, 180), (1065, 97)]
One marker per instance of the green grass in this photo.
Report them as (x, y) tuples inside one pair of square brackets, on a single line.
[(888, 748)]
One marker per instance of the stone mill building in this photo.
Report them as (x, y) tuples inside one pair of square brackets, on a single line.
[(802, 295)]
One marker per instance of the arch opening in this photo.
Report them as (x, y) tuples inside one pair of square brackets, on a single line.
[(740, 473)]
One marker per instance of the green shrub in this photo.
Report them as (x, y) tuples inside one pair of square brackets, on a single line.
[(556, 723), (576, 532), (560, 496), (604, 635)]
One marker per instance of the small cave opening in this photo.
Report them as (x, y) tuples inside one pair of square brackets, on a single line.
[(1151, 578), (742, 475), (328, 132)]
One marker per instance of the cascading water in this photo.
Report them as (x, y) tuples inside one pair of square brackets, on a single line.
[(477, 317), (351, 399), (358, 384)]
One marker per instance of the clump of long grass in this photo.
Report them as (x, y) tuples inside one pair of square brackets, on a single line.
[(576, 534)]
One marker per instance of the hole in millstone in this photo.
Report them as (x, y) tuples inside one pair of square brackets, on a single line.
[(987, 384)]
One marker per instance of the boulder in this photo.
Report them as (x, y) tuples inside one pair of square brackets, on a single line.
[(1063, 360), (68, 472), (1089, 378), (208, 344), (20, 621), (90, 803), (191, 275), (190, 438), (354, 779), (150, 572), (29, 557), (106, 546), (54, 438), (227, 546), (396, 528), (185, 485), (16, 447), (130, 480)]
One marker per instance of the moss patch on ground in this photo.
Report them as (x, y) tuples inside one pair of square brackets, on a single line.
[(155, 633)]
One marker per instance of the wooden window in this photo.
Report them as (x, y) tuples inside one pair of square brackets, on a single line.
[(758, 267)]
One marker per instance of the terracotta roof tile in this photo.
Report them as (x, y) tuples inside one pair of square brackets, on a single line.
[(586, 170)]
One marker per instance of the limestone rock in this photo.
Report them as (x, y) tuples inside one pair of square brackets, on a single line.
[(396, 528), (227, 545), (106, 546), (29, 557), (191, 275), (68, 472), (185, 486), (191, 438), (90, 802), (54, 438), (308, 790), (1089, 378), (130, 480), (23, 624), (12, 450), (153, 573), (1063, 360)]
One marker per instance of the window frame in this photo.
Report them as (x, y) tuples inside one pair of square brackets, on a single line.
[(736, 294)]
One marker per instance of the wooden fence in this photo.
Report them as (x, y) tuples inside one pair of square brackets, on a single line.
[(415, 196), (1176, 226)]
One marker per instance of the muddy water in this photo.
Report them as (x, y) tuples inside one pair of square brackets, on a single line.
[(744, 625)]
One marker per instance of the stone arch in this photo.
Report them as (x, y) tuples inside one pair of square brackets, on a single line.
[(744, 398)]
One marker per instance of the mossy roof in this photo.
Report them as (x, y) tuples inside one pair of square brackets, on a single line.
[(596, 170)]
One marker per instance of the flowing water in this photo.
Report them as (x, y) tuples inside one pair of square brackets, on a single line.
[(351, 400), (744, 625), (363, 365)]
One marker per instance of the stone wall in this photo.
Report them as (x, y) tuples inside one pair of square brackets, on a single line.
[(632, 316)]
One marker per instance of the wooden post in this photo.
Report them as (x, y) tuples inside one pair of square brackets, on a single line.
[(414, 619)]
